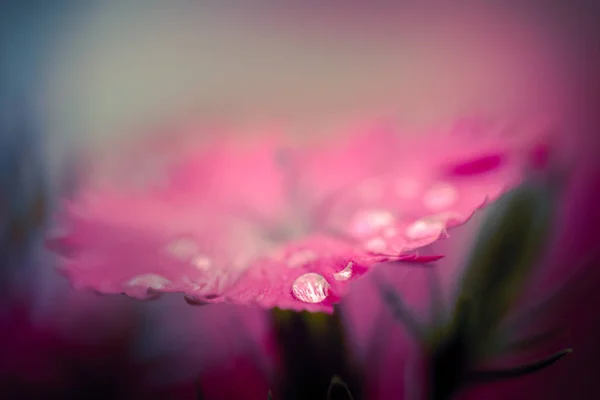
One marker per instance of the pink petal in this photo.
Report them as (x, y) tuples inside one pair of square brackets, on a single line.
[(254, 222), (432, 184), (241, 176), (360, 152)]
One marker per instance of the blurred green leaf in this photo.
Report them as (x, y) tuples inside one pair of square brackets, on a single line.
[(486, 376), (312, 348), (450, 357), (524, 343), (510, 243)]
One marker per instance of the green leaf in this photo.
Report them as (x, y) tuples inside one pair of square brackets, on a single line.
[(450, 356), (312, 348), (524, 343), (487, 376), (509, 245)]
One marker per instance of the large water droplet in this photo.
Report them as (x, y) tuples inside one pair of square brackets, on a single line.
[(310, 288), (369, 222), (344, 274), (440, 197)]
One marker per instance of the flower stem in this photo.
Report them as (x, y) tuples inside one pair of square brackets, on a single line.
[(312, 350)]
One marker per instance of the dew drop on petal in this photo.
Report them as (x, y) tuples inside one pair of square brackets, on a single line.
[(344, 274), (425, 228), (301, 258), (440, 197), (152, 281), (310, 288), (368, 222)]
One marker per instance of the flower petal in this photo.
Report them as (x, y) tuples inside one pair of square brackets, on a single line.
[(258, 222)]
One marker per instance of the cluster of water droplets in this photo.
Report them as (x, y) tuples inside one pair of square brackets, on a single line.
[(187, 250), (377, 226)]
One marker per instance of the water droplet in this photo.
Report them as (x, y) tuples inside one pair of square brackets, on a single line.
[(301, 258), (152, 281), (425, 228), (440, 196), (344, 274), (376, 245), (310, 288), (369, 222)]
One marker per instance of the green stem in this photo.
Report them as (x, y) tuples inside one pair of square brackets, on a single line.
[(312, 349)]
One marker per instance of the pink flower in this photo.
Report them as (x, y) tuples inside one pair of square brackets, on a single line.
[(267, 221)]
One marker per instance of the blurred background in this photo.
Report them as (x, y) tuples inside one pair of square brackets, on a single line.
[(115, 68), (82, 77)]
